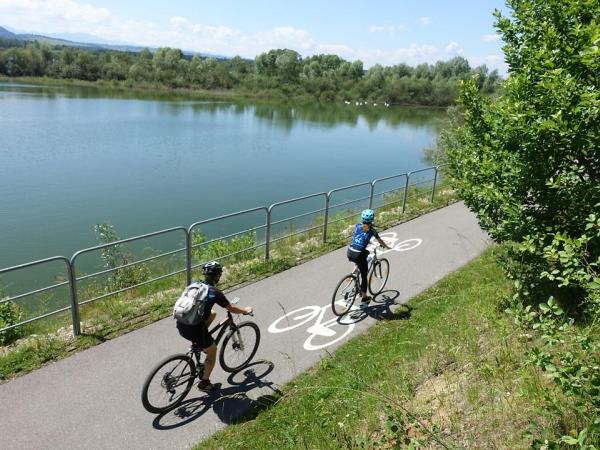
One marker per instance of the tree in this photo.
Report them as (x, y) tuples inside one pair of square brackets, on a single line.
[(528, 162), (166, 61), (281, 63), (142, 69)]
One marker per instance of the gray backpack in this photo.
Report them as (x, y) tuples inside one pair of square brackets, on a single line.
[(190, 306)]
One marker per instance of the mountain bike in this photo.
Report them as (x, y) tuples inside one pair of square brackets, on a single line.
[(349, 287), (172, 379)]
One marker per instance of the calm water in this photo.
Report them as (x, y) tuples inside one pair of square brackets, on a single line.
[(71, 158)]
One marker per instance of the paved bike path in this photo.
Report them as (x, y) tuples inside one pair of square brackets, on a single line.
[(92, 399)]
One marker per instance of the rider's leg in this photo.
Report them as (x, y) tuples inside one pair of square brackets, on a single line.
[(209, 361), (363, 266), (211, 317)]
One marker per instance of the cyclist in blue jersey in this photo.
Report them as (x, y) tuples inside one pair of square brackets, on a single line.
[(357, 251)]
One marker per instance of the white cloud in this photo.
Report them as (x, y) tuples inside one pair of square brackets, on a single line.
[(179, 22), (491, 37), (59, 12), (494, 61), (416, 52), (387, 28), (59, 16), (454, 48), (424, 20)]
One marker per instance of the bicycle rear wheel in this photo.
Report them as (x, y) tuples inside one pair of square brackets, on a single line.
[(344, 295), (379, 276), (168, 383), (239, 346)]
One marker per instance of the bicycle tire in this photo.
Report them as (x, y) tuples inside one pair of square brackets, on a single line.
[(182, 374), (239, 346), (344, 295), (380, 272)]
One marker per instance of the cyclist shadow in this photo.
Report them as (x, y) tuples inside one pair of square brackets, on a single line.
[(231, 404), (381, 307)]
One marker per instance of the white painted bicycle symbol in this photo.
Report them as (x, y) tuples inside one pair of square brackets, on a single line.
[(329, 330), (323, 329), (391, 239)]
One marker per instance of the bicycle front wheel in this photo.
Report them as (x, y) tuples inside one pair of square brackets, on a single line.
[(344, 295), (239, 346), (379, 276), (168, 383)]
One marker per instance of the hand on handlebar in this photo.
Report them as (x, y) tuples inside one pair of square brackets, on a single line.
[(248, 310)]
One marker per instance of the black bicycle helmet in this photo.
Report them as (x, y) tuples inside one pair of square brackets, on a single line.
[(212, 268)]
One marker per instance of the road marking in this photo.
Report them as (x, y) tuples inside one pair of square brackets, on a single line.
[(320, 328), (330, 328), (391, 239)]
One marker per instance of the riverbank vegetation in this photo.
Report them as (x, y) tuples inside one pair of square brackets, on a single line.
[(280, 74), (528, 164)]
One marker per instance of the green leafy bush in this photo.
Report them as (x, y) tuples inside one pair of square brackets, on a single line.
[(528, 163), (238, 248), (115, 256), (10, 314)]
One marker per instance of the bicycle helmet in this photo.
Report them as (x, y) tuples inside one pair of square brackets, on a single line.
[(212, 268), (367, 216)]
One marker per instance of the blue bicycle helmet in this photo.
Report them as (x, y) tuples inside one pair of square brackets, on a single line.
[(367, 216)]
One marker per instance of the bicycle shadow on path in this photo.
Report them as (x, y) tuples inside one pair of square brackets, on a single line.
[(231, 404), (381, 307)]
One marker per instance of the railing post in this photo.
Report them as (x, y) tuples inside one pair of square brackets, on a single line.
[(371, 194), (405, 192), (326, 217), (268, 233), (188, 255), (73, 297), (434, 183)]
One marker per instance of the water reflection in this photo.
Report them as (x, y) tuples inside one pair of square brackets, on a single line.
[(284, 117), (146, 161)]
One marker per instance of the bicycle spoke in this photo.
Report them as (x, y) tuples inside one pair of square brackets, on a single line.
[(168, 384), (378, 276), (239, 346), (344, 295)]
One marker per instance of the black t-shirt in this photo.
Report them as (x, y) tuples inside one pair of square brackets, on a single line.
[(214, 296)]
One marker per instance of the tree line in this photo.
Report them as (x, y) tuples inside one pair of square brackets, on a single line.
[(281, 73)]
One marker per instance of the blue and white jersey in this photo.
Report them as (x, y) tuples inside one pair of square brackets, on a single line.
[(361, 238)]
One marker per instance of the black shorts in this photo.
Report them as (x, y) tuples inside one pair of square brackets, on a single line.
[(198, 334)]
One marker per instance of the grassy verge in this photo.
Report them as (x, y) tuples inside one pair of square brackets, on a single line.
[(448, 372), (51, 339)]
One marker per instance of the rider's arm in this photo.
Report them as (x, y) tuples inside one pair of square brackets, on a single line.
[(234, 309), (383, 244), (222, 301), (381, 241)]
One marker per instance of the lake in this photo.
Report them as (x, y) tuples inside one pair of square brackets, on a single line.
[(74, 157)]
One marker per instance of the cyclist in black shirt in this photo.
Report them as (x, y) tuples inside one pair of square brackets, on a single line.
[(357, 251), (199, 334)]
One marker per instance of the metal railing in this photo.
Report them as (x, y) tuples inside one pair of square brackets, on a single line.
[(347, 207)]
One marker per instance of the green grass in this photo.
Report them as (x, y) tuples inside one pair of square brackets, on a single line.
[(447, 372)]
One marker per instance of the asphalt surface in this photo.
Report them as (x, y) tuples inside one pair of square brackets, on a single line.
[(92, 399)]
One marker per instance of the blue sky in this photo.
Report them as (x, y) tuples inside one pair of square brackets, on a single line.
[(384, 32)]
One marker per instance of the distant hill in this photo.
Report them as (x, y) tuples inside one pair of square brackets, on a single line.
[(91, 43), (4, 33)]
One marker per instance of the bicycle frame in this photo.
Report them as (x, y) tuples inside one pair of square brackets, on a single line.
[(372, 262), (222, 327)]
